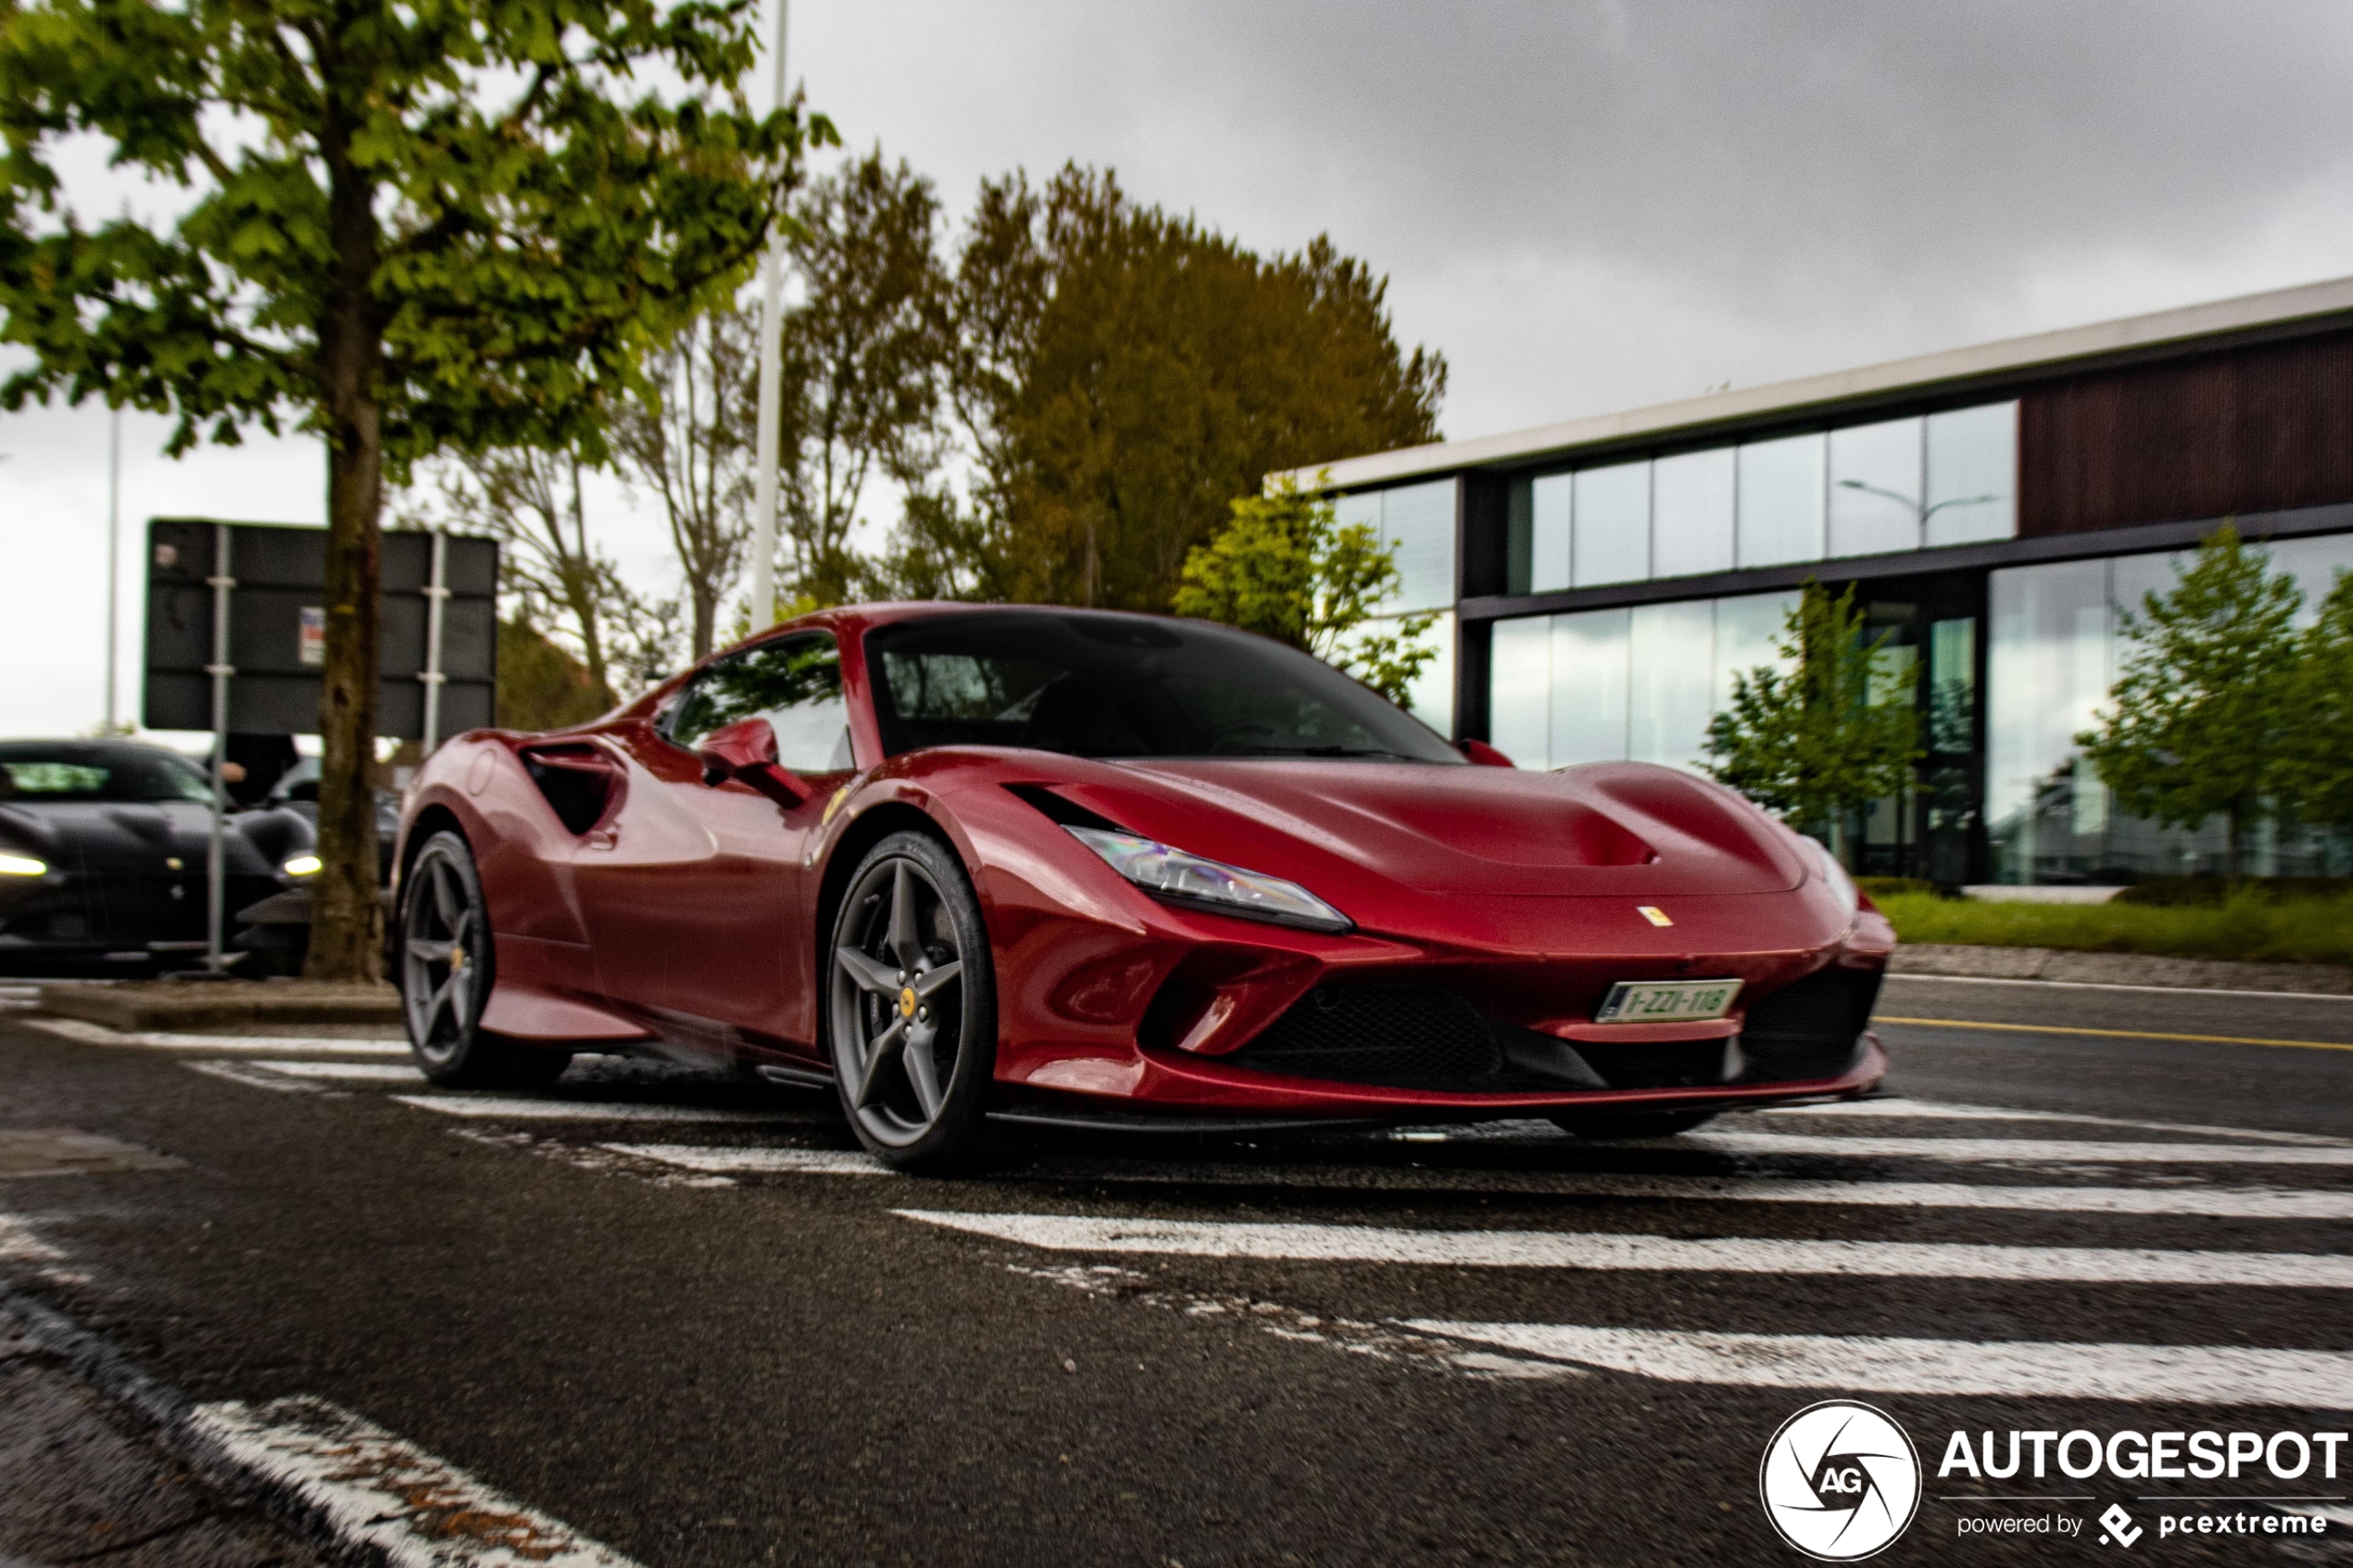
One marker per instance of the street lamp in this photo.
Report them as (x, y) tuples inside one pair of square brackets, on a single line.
[(1923, 513), (771, 375)]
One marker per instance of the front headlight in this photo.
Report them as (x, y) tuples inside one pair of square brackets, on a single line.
[(1835, 874), (1181, 878), (22, 865), (303, 865)]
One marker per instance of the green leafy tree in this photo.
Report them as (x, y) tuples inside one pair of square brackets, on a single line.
[(407, 226), (1284, 566), (1118, 374), (2317, 760), (1826, 738), (2195, 725)]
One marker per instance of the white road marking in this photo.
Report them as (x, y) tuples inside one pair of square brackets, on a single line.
[(518, 1108), (2206, 1375), (345, 1072), (378, 1492), (215, 1044), (758, 1161), (2224, 1203), (18, 1245), (2063, 1151), (1939, 1110), (2110, 985), (252, 1076), (1548, 1249)]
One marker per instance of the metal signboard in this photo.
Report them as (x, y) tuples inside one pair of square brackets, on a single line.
[(440, 629)]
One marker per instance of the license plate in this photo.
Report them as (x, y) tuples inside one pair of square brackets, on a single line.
[(1666, 1001)]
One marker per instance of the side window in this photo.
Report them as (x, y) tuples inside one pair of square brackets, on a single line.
[(794, 683)]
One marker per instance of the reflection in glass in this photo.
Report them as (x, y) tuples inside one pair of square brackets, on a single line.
[(1692, 514), (1549, 533), (1673, 668), (1417, 522), (1780, 500), (1748, 634), (1361, 508), (1588, 687), (1875, 488), (1972, 475), (1952, 685), (1520, 702), (2047, 667), (1613, 532)]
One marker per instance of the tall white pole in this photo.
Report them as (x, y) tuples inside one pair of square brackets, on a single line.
[(114, 552), (766, 452)]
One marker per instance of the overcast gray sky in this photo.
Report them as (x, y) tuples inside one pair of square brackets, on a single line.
[(1587, 205)]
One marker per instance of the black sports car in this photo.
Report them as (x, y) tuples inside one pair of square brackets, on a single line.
[(103, 846)]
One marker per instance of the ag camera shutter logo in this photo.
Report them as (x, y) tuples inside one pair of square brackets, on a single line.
[(1840, 1481)]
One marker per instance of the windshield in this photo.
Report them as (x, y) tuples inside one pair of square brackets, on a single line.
[(98, 773), (1115, 685)]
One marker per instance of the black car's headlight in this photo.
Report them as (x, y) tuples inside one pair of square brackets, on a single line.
[(1181, 878), (303, 865), (12, 864)]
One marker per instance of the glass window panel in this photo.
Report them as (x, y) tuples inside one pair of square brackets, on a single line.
[(1431, 697), (2047, 671), (1875, 488), (1972, 475), (1417, 522), (1518, 538), (2314, 564), (1952, 685), (1780, 500), (1364, 507), (1692, 514), (1588, 687), (1673, 667), (1549, 533), (1613, 533), (1748, 634), (1519, 690)]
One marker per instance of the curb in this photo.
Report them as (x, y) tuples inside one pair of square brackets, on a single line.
[(192, 1005), (2117, 969)]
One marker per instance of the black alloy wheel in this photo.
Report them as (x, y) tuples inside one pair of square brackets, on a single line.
[(910, 1012), (445, 974)]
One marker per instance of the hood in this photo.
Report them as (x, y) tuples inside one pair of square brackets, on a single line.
[(141, 837), (1603, 829)]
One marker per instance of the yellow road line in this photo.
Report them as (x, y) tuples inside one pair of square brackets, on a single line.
[(2120, 1033)]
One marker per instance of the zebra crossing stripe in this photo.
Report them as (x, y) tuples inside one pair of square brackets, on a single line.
[(758, 1161), (382, 1495), (84, 1033), (2059, 1150), (1549, 1250), (2206, 1375), (344, 1072), (1916, 1109), (523, 1107)]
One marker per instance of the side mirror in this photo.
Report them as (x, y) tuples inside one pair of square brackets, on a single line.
[(746, 750), (1483, 753)]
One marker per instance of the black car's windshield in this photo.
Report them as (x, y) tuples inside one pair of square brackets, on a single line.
[(30, 774), (1115, 686)]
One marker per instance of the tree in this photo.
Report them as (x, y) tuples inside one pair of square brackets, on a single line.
[(688, 436), (2316, 764), (540, 686), (862, 363), (411, 226), (1286, 568), (1827, 736), (1118, 374), (2195, 723)]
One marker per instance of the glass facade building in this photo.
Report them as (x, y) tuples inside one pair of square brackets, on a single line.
[(1603, 586)]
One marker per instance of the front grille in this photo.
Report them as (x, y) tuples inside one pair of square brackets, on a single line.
[(1396, 1035), (1809, 1029)]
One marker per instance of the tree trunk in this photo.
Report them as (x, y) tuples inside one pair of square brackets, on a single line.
[(346, 918)]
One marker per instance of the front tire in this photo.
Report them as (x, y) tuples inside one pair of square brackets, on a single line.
[(911, 1007), (446, 968)]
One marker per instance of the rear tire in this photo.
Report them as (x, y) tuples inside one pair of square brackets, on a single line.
[(445, 965), (1655, 1125), (911, 1008)]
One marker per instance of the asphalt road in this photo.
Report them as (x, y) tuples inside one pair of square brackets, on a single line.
[(679, 1315)]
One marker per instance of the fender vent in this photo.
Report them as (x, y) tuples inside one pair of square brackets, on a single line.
[(578, 782)]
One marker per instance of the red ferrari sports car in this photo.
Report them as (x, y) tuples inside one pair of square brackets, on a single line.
[(987, 865)]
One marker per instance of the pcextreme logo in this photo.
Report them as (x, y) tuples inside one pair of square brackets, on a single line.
[(1840, 1481)]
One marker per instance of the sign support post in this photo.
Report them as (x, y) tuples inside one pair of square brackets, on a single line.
[(222, 671), (437, 595)]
